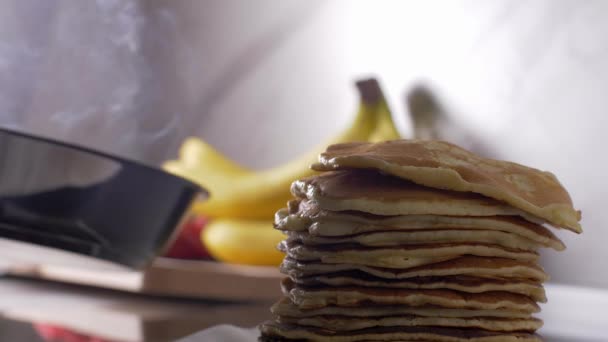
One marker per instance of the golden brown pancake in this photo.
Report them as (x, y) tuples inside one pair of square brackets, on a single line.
[(467, 265), (272, 331), (306, 216), (375, 193), (419, 237), (285, 307), (468, 284), (401, 256), (416, 241), (446, 166), (345, 323), (309, 298)]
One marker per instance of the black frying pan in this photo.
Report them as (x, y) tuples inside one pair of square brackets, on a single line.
[(66, 197)]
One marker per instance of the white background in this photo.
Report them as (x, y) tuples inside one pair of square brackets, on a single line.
[(264, 81)]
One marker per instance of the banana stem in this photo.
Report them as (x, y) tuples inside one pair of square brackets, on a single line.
[(370, 91), (372, 96)]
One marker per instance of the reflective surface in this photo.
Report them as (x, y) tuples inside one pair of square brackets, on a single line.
[(18, 331), (114, 316), (65, 197)]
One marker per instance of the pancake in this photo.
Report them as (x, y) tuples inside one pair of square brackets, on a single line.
[(446, 166), (272, 331), (401, 256), (309, 298), (467, 265), (375, 193), (459, 283), (344, 323), (306, 216), (416, 241), (419, 237), (285, 307)]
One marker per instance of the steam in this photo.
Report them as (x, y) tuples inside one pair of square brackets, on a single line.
[(79, 71)]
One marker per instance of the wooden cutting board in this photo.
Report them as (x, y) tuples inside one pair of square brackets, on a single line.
[(164, 277), (170, 277)]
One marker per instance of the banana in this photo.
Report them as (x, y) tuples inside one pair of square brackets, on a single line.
[(385, 127), (242, 200), (201, 156), (241, 193), (238, 241)]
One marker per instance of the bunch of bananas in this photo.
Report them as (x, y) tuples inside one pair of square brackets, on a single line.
[(243, 201)]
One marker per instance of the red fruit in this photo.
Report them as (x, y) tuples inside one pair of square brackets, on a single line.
[(48, 332), (72, 336), (53, 333), (188, 244)]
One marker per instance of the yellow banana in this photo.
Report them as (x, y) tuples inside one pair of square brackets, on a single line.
[(251, 242), (385, 128), (240, 193), (196, 157), (197, 154)]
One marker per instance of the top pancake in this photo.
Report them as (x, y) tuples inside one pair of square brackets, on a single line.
[(371, 192), (443, 165)]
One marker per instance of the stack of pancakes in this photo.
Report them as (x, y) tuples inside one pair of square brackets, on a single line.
[(416, 241)]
